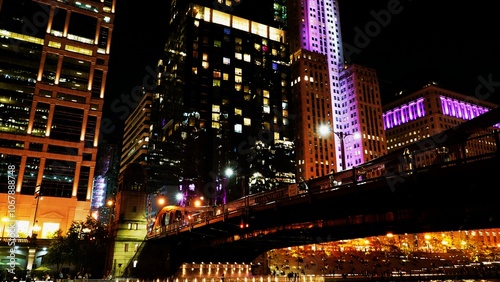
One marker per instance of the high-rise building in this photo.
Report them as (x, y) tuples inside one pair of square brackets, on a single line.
[(345, 99), (136, 134), (422, 113), (223, 101), (107, 170), (53, 66), (361, 116)]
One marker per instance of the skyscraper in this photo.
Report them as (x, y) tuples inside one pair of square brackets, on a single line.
[(53, 65), (223, 100), (327, 93)]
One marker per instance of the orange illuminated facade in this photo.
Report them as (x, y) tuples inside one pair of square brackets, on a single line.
[(53, 68)]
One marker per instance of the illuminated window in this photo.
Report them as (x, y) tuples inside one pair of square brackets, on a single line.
[(256, 46), (195, 70), (238, 112), (247, 122), (238, 41), (226, 61), (54, 44), (247, 57), (238, 56), (238, 128), (216, 74), (205, 57), (266, 93), (266, 109), (217, 43), (237, 87), (265, 102), (237, 79), (238, 71), (216, 108), (215, 117), (204, 65), (225, 76), (215, 124), (216, 83)]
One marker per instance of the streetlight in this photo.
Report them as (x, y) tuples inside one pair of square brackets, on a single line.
[(35, 228), (324, 129), (5, 219), (111, 213)]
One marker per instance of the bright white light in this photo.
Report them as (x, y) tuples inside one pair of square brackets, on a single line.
[(324, 130), (229, 172)]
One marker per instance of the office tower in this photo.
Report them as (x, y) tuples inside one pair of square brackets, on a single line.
[(223, 101), (136, 134), (127, 225), (53, 66), (422, 113), (106, 178), (328, 94), (361, 116)]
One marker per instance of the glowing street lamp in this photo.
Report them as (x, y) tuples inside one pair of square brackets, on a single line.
[(229, 172), (111, 212), (36, 228), (324, 130), (5, 219)]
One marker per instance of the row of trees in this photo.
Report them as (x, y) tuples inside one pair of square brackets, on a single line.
[(82, 248)]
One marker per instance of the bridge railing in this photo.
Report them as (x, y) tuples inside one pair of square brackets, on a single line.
[(422, 157)]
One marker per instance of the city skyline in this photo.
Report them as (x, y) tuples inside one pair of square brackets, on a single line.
[(459, 55)]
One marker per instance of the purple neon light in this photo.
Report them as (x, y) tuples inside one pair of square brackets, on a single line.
[(462, 110), (403, 114), (415, 109)]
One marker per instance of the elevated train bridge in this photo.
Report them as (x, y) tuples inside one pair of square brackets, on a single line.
[(448, 183)]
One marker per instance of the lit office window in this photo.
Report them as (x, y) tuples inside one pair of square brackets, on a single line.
[(238, 128)]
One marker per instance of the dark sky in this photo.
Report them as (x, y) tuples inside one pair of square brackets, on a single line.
[(408, 43)]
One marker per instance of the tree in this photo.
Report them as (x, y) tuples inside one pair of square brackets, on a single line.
[(83, 247), (58, 252)]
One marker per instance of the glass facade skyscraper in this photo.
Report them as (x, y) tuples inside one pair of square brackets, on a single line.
[(53, 66), (223, 101)]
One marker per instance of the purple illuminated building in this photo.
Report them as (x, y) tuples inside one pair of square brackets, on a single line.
[(326, 92), (428, 111)]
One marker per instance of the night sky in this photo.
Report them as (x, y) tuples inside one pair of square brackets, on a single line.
[(408, 43)]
